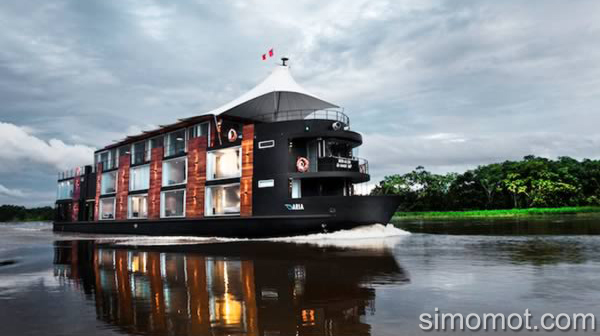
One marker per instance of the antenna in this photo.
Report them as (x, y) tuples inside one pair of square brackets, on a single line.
[(283, 60)]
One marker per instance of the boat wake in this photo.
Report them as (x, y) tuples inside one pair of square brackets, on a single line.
[(372, 236)]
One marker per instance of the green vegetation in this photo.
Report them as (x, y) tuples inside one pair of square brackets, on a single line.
[(533, 182), (14, 213), (501, 213)]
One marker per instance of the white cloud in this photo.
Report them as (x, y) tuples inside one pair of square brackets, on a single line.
[(18, 148), (4, 191)]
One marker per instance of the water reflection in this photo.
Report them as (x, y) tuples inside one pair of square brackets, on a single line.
[(282, 289)]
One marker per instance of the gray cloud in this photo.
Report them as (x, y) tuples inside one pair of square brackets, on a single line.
[(445, 84)]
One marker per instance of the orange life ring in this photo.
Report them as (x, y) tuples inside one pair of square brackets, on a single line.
[(302, 164), (232, 135)]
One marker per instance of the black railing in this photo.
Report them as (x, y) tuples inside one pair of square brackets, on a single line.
[(336, 163), (305, 114)]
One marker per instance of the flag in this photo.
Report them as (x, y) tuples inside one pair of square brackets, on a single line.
[(270, 53)]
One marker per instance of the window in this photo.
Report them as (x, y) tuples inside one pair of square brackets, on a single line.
[(172, 203), (174, 172), (296, 188), (266, 144), (175, 143), (224, 163), (156, 142), (139, 154), (109, 183), (124, 150), (266, 183), (107, 208), (222, 200), (139, 178), (138, 206), (198, 131), (106, 160), (113, 160), (65, 190)]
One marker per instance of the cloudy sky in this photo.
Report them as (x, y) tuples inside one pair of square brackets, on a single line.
[(444, 84)]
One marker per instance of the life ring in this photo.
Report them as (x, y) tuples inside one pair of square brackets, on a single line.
[(302, 164), (232, 135)]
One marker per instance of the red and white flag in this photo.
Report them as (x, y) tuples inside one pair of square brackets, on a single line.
[(270, 53)]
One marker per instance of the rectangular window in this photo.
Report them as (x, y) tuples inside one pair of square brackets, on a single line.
[(138, 206), (224, 163), (172, 203), (156, 142), (124, 150), (104, 158), (174, 172), (198, 130), (175, 143), (65, 190), (296, 188), (266, 144), (109, 183), (266, 183), (222, 200), (113, 159), (139, 154), (107, 208), (139, 178)]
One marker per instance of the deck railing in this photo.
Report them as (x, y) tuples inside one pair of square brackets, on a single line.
[(305, 114), (338, 163), (70, 173)]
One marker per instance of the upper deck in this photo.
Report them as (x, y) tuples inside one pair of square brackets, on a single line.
[(305, 114)]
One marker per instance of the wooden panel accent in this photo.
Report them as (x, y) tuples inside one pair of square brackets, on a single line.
[(123, 187), (247, 170), (156, 157), (98, 190), (196, 179)]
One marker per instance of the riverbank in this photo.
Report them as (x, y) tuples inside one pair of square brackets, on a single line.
[(503, 213)]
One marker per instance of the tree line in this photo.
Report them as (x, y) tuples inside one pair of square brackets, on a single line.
[(531, 182), (15, 213)]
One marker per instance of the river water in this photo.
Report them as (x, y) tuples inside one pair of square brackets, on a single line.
[(370, 281)]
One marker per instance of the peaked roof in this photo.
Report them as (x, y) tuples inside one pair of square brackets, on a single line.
[(278, 92)]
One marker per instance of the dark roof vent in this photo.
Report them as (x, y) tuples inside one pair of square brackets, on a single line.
[(283, 60)]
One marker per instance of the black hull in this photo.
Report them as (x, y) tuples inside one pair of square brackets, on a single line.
[(350, 212)]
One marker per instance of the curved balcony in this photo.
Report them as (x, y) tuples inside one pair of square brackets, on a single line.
[(305, 115)]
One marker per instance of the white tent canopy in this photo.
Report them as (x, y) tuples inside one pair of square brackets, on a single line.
[(277, 93)]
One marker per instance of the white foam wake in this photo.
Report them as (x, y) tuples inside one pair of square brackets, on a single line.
[(372, 236), (363, 232)]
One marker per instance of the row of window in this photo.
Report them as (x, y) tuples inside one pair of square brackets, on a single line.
[(174, 143), (221, 164), (219, 200)]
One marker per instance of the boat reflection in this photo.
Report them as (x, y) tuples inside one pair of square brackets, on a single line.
[(242, 288)]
